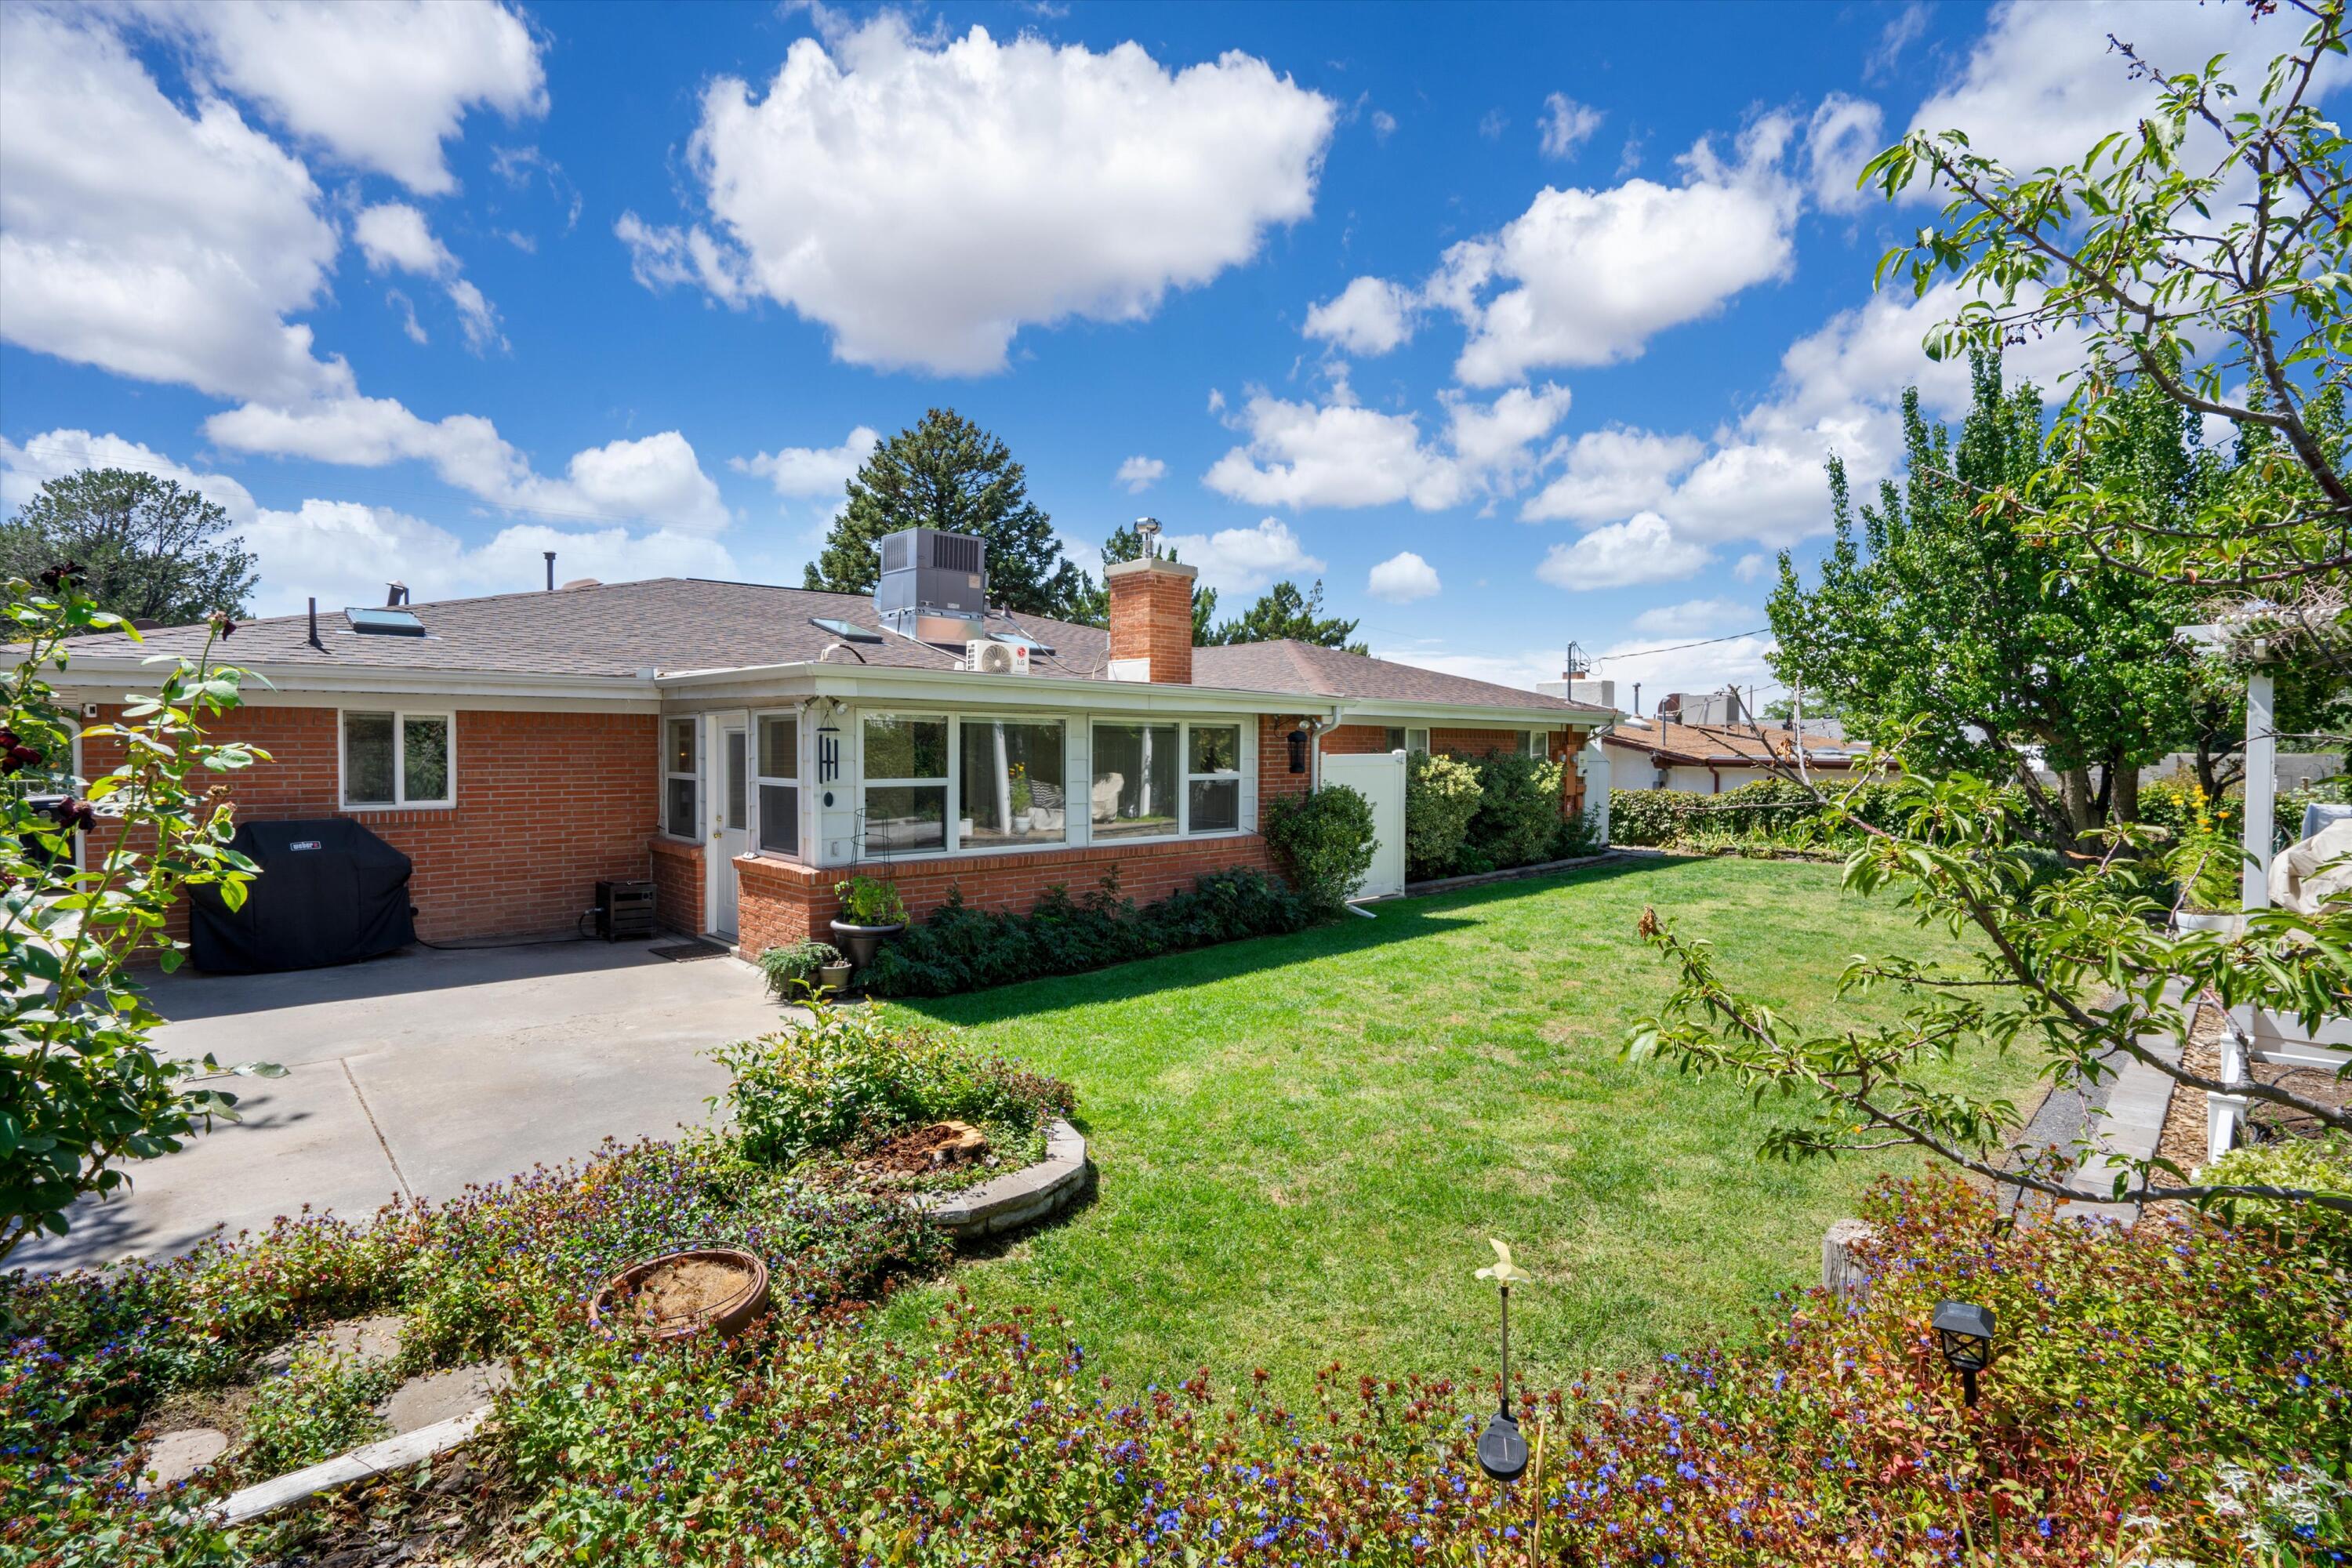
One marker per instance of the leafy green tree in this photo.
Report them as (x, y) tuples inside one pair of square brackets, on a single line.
[(1945, 623), (1285, 613), (148, 549), (2191, 269), (949, 473), (1126, 544), (83, 1087)]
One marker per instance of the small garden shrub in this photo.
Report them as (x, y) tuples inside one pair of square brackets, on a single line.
[(322, 1406), (1518, 819), (849, 1077), (2322, 1163), (870, 902), (1761, 813), (791, 972), (962, 948), (1441, 797), (1323, 842)]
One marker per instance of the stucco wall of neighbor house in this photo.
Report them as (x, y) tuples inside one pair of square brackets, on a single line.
[(544, 805), (778, 902)]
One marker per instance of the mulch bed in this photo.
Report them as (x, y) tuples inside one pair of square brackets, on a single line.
[(943, 1146)]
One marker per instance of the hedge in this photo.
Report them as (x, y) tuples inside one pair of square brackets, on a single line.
[(964, 949), (1441, 797)]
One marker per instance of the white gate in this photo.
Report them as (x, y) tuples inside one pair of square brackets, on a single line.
[(1379, 779)]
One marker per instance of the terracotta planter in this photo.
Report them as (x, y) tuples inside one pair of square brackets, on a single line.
[(613, 1303), (859, 943)]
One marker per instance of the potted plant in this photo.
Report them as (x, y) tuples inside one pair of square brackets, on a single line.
[(802, 967), (2206, 865), (870, 910), (1023, 798)]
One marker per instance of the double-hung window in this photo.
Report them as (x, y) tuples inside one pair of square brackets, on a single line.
[(1404, 739), (780, 784), (1212, 778), (905, 767), (678, 750), (396, 759)]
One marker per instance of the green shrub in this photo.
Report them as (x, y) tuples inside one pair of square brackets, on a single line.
[(962, 948), (870, 902), (1323, 843), (1441, 797), (1518, 818), (1578, 835), (1761, 813), (792, 971), (849, 1076), (2324, 1164)]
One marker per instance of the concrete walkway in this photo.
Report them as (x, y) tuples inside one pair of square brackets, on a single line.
[(416, 1074)]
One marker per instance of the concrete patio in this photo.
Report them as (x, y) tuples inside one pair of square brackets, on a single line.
[(415, 1074)]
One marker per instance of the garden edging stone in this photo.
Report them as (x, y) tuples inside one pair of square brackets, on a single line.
[(371, 1459), (1014, 1199)]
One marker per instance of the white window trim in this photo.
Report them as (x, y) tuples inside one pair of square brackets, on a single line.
[(661, 790), (763, 781), (1184, 778), (956, 722), (399, 801), (946, 784)]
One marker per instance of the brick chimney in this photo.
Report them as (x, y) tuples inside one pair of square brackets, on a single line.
[(1151, 620)]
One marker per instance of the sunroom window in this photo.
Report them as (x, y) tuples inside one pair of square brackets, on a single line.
[(1009, 787), (1212, 778), (678, 779), (780, 785), (396, 759), (905, 772), (1135, 789)]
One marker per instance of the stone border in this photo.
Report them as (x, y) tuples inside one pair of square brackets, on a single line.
[(1014, 1199), (396, 1453), (1542, 869)]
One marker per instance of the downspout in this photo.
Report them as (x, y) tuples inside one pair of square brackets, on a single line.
[(1315, 730)]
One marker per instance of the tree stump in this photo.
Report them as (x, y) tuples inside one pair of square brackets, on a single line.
[(1842, 1271)]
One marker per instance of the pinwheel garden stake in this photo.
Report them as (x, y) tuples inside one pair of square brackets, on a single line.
[(1502, 1452)]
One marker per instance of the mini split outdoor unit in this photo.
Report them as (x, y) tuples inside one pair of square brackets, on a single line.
[(986, 655)]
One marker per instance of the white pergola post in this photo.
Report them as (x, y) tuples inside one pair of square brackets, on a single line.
[(2261, 789)]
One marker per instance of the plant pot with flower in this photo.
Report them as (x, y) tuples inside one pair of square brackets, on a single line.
[(871, 910), (1024, 798), (2205, 863)]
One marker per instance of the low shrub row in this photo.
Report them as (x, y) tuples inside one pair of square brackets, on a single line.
[(1777, 812), (962, 948), (1463, 816)]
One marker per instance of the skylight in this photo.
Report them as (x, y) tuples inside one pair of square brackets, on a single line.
[(384, 623), (844, 630)]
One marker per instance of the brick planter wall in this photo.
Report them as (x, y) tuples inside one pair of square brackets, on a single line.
[(547, 804), (677, 884), (780, 903)]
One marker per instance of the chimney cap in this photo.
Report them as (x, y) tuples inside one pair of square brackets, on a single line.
[(1148, 530)]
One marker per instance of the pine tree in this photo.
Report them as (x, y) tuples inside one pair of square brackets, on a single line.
[(949, 473), (1285, 613), (148, 550), (1126, 544)]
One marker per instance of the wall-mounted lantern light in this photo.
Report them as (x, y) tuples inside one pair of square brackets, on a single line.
[(1298, 750), (1964, 1337), (1502, 1452)]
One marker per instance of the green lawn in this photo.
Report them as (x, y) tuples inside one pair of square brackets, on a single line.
[(1303, 1143)]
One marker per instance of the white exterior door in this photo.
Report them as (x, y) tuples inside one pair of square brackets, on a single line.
[(1379, 779), (729, 748)]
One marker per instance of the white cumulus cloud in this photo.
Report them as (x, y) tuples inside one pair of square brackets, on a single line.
[(395, 237), (804, 472), (1370, 316), (53, 454), (1845, 135), (1337, 454), (1139, 473), (1403, 578), (1566, 125), (1245, 560), (380, 84), (925, 203), (1612, 473), (1643, 549), (1697, 618)]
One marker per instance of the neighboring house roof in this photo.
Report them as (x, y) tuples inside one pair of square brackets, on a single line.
[(1724, 745), (675, 625)]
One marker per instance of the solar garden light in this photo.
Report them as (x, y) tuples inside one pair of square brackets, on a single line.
[(1964, 1336), (1502, 1452)]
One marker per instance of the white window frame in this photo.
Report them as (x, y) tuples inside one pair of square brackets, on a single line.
[(956, 722), (692, 774), (762, 782), (945, 784), (1408, 731), (1230, 775), (1184, 778), (400, 718)]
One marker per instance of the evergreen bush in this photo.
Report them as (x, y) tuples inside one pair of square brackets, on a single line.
[(1323, 842), (1441, 797)]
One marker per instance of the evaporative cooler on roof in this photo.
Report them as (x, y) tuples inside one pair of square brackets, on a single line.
[(933, 586)]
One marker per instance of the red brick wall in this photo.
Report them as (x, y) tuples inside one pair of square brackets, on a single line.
[(1151, 617), (1356, 741), (677, 884), (780, 903), (1275, 779), (546, 804)]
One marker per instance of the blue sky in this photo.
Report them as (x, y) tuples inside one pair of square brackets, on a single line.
[(1514, 325)]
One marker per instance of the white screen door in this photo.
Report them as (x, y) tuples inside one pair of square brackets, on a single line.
[(730, 816)]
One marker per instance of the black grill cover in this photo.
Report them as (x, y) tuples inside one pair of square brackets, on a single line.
[(329, 892)]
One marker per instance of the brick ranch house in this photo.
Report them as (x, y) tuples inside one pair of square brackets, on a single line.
[(744, 746)]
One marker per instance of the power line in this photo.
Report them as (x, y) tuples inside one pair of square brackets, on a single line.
[(1678, 647)]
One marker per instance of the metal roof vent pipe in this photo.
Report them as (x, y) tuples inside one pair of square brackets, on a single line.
[(394, 594), (314, 625), (550, 568)]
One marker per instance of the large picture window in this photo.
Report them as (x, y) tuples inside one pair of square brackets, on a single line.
[(1009, 784), (905, 772), (780, 786), (396, 759), (1136, 768), (1212, 778), (678, 778)]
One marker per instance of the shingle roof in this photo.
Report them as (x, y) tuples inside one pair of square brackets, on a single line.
[(1310, 669), (674, 624), (665, 623), (1724, 744)]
